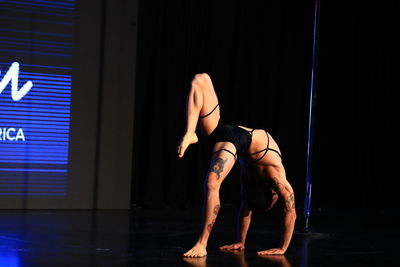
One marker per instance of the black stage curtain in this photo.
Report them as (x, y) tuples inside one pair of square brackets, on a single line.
[(357, 111), (258, 54)]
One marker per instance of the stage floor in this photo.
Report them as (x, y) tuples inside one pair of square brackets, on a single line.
[(158, 238)]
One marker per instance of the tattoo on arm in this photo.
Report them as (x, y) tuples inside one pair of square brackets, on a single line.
[(216, 209), (289, 202), (278, 187), (218, 166)]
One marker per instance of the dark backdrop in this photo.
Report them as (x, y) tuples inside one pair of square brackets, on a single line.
[(357, 111), (258, 54)]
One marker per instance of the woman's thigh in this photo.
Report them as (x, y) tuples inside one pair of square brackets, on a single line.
[(210, 101), (222, 162)]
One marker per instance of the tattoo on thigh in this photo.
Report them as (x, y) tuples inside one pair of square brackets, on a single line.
[(218, 166), (216, 209), (290, 202), (210, 226)]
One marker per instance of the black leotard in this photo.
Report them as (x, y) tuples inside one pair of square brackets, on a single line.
[(238, 136)]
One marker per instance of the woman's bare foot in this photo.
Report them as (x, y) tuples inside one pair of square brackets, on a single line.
[(198, 250), (187, 139)]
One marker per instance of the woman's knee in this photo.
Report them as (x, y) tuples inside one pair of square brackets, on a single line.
[(212, 184), (201, 79)]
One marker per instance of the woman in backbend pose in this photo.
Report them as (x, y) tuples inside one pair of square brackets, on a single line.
[(258, 153)]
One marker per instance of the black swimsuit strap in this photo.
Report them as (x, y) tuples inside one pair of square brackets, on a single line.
[(201, 117), (265, 150), (226, 151), (276, 152)]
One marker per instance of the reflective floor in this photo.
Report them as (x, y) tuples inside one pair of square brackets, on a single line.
[(158, 238)]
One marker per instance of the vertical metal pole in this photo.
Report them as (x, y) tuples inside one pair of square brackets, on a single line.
[(307, 201)]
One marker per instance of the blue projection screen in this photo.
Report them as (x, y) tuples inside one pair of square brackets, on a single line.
[(35, 97)]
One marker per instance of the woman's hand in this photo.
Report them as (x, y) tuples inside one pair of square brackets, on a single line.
[(272, 251)]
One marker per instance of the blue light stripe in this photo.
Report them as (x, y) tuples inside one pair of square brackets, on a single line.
[(45, 66), (54, 155), (26, 145), (35, 194), (69, 36), (33, 170), (52, 98), (47, 99), (37, 124), (14, 9), (36, 114), (58, 155), (66, 111), (48, 138), (33, 176), (47, 150), (36, 161), (34, 52), (47, 75), (37, 4), (28, 113), (46, 102), (56, 95), (54, 90), (28, 177), (65, 137), (32, 20), (34, 186), (33, 189), (25, 105), (63, 144), (36, 151), (13, 180), (60, 3), (4, 155), (41, 118), (37, 10), (56, 87), (37, 45), (40, 142), (34, 133), (33, 106), (51, 82), (41, 152), (45, 133), (39, 78)]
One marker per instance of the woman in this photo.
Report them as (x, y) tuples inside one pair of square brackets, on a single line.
[(256, 149)]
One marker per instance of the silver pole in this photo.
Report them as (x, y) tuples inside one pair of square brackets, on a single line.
[(307, 201)]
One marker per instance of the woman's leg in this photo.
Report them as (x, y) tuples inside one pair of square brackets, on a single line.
[(221, 163), (200, 101)]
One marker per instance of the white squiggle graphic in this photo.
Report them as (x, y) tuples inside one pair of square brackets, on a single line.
[(12, 75)]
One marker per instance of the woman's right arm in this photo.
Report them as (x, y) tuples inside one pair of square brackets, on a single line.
[(244, 219)]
